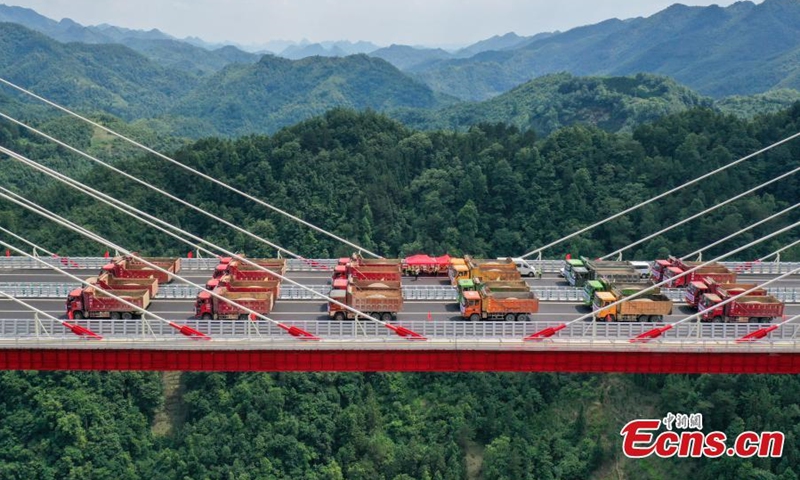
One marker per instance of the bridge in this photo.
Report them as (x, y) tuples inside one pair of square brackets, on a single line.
[(28, 341), (428, 335)]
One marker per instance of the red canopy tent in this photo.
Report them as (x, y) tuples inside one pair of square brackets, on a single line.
[(426, 263)]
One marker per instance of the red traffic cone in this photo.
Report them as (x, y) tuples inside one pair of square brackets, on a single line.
[(189, 255), (430, 317), (105, 255), (8, 252)]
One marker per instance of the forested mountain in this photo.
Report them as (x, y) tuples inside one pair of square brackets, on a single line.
[(750, 105), (327, 49), (242, 98), (105, 77), (276, 92), (404, 57), (498, 42), (553, 101), (153, 44), (492, 190), (742, 49), (68, 30)]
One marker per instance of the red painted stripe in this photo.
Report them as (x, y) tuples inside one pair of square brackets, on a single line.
[(378, 361)]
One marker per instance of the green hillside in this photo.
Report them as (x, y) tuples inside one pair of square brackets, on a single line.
[(111, 78), (554, 101), (276, 92), (768, 102)]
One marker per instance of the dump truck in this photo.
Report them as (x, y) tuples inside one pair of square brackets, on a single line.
[(375, 272), (592, 286), (388, 269), (717, 272), (208, 306), (619, 272), (89, 302), (508, 306), (107, 282), (485, 269), (232, 285), (378, 302), (244, 271), (657, 270), (500, 286), (671, 268), (695, 291), (650, 307), (134, 267), (746, 309), (476, 284)]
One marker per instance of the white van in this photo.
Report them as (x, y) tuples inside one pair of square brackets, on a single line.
[(643, 268), (523, 267)]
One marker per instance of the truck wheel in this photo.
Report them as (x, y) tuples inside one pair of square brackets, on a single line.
[(77, 315), (127, 316), (474, 318), (386, 317), (754, 320), (509, 317), (656, 318), (642, 318), (716, 319), (242, 316), (522, 317), (206, 316), (114, 315), (338, 316)]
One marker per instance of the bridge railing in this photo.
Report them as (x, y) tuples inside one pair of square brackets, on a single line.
[(577, 332), (327, 264), (410, 292)]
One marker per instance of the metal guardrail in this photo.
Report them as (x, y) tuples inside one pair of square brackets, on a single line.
[(327, 264), (410, 292), (583, 331), (192, 264)]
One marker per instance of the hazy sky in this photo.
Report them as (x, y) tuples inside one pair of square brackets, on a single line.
[(413, 22)]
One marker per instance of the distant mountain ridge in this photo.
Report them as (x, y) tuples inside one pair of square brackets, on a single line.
[(745, 48), (240, 98), (154, 44)]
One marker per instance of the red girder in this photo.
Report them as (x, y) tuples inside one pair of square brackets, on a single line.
[(399, 360)]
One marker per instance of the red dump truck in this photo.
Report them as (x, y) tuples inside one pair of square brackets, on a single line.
[(379, 299), (670, 269), (509, 306), (208, 306), (750, 308), (695, 291), (107, 282), (134, 267), (89, 302), (232, 285), (719, 273), (244, 271), (371, 269)]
